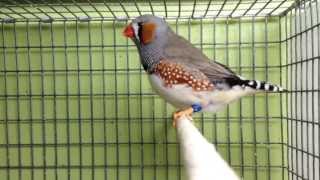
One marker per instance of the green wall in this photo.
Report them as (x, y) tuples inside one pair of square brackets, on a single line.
[(75, 102)]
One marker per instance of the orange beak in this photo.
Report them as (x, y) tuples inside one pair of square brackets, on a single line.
[(128, 31)]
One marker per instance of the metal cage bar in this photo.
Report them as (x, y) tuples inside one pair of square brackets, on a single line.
[(67, 101), (37, 12), (216, 25), (254, 101)]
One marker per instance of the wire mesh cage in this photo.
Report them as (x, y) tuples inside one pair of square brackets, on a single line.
[(76, 104)]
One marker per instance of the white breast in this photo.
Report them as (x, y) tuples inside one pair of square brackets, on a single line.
[(183, 96)]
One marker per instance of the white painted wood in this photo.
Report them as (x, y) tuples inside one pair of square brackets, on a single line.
[(201, 160)]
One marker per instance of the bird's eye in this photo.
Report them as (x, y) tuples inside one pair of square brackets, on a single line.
[(146, 32)]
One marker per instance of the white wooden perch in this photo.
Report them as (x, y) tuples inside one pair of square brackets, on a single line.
[(201, 160)]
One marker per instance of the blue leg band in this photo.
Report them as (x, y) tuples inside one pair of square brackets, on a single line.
[(196, 107)]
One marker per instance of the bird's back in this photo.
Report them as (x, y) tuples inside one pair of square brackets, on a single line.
[(179, 50)]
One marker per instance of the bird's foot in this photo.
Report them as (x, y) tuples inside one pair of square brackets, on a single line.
[(186, 112), (178, 114)]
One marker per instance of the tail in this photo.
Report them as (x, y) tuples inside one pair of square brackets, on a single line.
[(261, 85)]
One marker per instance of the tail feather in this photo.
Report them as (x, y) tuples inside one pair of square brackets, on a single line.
[(261, 85)]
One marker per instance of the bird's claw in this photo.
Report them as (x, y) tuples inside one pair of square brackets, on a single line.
[(178, 114)]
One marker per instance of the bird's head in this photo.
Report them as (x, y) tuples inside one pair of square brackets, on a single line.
[(149, 33), (146, 29)]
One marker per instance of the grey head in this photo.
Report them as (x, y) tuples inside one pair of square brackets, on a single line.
[(149, 33)]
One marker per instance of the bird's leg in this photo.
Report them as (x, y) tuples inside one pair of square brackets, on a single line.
[(176, 115), (187, 112)]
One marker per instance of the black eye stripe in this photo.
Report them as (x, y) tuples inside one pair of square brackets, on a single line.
[(140, 30)]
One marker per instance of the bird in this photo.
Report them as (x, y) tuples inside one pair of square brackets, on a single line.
[(184, 76)]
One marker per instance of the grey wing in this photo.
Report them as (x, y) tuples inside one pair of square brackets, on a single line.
[(181, 51)]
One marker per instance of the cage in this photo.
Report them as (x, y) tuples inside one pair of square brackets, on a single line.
[(76, 104)]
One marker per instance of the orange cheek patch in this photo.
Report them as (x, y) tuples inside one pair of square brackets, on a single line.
[(148, 32)]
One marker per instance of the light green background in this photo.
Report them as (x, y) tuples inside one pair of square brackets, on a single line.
[(81, 105)]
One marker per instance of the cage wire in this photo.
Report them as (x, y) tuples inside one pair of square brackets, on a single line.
[(76, 104)]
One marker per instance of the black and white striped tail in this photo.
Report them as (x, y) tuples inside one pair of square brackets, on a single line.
[(260, 85)]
